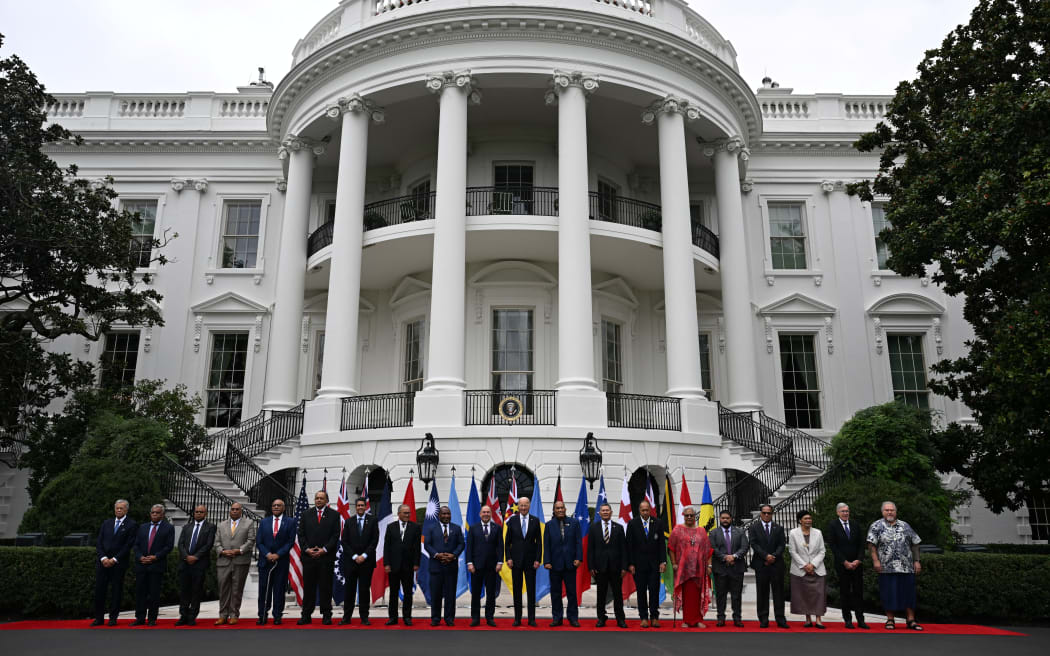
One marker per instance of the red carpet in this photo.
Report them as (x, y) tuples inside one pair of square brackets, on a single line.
[(378, 624)]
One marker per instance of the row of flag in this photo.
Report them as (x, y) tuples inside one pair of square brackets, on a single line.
[(671, 513)]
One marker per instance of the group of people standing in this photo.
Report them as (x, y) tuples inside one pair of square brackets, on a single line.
[(641, 550)]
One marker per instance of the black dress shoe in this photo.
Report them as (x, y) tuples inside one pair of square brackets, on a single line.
[(820, 626), (490, 622), (763, 624), (532, 622), (191, 622), (807, 625), (391, 622), (260, 621), (555, 623), (475, 622), (516, 623), (152, 622), (138, 622), (180, 622), (862, 625), (621, 623), (783, 624), (450, 622), (408, 621), (720, 623), (277, 621), (326, 620), (848, 624), (738, 623), (112, 622), (364, 620), (97, 622), (303, 620), (435, 622), (574, 623), (344, 621), (600, 623)]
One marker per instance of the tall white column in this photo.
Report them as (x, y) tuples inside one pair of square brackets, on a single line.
[(736, 294), (682, 331), (283, 365), (339, 374)]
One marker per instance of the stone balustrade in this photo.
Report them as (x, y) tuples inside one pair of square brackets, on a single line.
[(784, 111)]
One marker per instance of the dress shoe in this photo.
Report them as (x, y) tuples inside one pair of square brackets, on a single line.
[(807, 625), (738, 623), (391, 622), (555, 623), (326, 620), (191, 622), (532, 622), (138, 622), (600, 623), (475, 622), (783, 624), (655, 623), (435, 622), (490, 622), (848, 624), (260, 621), (516, 623), (644, 624), (220, 621), (97, 622), (112, 622), (862, 625), (820, 626), (574, 623), (763, 624), (344, 621), (231, 621), (408, 621), (720, 623), (450, 622), (303, 620), (621, 623), (152, 622), (364, 620), (180, 622), (277, 621)]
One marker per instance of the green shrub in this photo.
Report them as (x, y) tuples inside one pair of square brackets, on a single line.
[(60, 582), (1021, 549), (865, 497)]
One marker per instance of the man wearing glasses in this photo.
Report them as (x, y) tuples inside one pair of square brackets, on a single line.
[(767, 540)]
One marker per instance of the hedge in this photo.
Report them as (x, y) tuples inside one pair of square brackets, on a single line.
[(60, 582)]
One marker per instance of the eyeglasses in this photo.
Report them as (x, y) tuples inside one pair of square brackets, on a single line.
[(689, 515), (766, 512)]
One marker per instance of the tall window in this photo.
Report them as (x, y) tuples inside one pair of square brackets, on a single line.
[(420, 204), (119, 359), (607, 193), (142, 228), (612, 357), (787, 238), (513, 193), (412, 381), (512, 344), (908, 370), (705, 365), (318, 363), (798, 367), (240, 236), (225, 392), (878, 224)]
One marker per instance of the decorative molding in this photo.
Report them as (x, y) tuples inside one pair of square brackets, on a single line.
[(818, 280), (479, 305), (829, 335), (731, 145), (827, 186), (198, 322), (924, 281), (87, 346), (98, 183), (747, 185), (257, 279), (294, 144), (771, 280), (670, 105), (355, 104), (877, 281), (768, 321), (562, 80), (438, 82), (797, 304), (305, 337), (721, 334), (209, 278), (877, 324), (178, 184), (281, 184), (257, 332), (200, 185), (937, 340), (147, 338)]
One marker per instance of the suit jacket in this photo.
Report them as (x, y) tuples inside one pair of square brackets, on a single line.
[(202, 550), (319, 534), (845, 548), (163, 543), (357, 542), (434, 542), (605, 557), (802, 555), (559, 552), (762, 546), (484, 552), (281, 544), (646, 552), (401, 554), (737, 548), (243, 539), (524, 551), (116, 545)]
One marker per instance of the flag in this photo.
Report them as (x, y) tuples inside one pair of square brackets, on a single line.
[(364, 495), (706, 516), (622, 519), (429, 519), (473, 518), (324, 483), (683, 501), (512, 507), (543, 577), (557, 490), (492, 501), (650, 496), (462, 583), (669, 515), (583, 516), (339, 584), (386, 517), (295, 569)]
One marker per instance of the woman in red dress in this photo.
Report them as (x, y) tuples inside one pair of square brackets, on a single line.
[(691, 557)]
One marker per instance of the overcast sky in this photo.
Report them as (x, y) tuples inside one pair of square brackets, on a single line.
[(848, 46)]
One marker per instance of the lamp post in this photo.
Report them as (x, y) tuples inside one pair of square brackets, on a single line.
[(591, 459), (427, 460)]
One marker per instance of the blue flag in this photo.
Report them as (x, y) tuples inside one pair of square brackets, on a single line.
[(462, 583), (431, 519), (543, 577), (473, 519), (583, 516)]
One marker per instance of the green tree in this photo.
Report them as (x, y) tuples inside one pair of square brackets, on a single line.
[(965, 163)]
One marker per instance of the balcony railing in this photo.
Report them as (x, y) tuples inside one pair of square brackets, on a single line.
[(705, 240), (512, 199), (510, 407), (625, 211), (643, 411), (377, 411), (380, 214), (320, 238)]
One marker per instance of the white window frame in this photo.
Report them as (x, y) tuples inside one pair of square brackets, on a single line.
[(925, 361), (212, 330), (118, 330), (403, 344), (537, 318), (403, 309), (324, 201), (809, 212), (815, 335), (215, 267), (623, 330), (254, 321), (712, 394), (161, 200)]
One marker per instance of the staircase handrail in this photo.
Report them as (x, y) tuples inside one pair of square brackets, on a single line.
[(249, 479), (803, 498), (784, 459), (741, 428), (175, 482), (279, 427), (806, 447)]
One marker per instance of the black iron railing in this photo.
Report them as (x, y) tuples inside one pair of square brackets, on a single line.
[(752, 490), (740, 428), (625, 211), (805, 446), (704, 239), (182, 488), (320, 238), (512, 199), (510, 407), (215, 450), (260, 487), (377, 411), (403, 209), (279, 427), (643, 411), (785, 511)]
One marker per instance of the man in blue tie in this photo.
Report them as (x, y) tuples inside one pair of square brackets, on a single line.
[(484, 561), (360, 539), (444, 543), (562, 554), (113, 550), (195, 545), (647, 559)]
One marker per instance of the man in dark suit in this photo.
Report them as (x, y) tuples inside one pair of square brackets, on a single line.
[(401, 555), (274, 540), (360, 539), (113, 550), (728, 566), (195, 544), (562, 554), (484, 554), (607, 557), (647, 559), (153, 542), (846, 539), (318, 540), (767, 540), (523, 550), (444, 543)]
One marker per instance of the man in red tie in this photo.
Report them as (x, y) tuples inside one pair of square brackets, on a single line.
[(153, 543), (275, 539), (318, 540)]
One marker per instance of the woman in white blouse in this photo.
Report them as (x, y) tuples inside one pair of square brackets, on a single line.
[(807, 570)]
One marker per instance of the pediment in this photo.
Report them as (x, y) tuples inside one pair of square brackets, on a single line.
[(905, 304), (319, 304), (409, 289), (513, 272), (707, 304), (617, 289), (230, 303), (797, 304)]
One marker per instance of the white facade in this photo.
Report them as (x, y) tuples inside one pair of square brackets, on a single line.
[(497, 157)]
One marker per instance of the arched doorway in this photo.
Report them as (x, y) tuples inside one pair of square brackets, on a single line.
[(745, 493), (636, 486), (377, 480), (502, 475)]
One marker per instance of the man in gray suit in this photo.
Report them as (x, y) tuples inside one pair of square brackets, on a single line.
[(728, 565), (234, 542)]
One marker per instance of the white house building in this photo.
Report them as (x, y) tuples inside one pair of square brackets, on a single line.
[(511, 225)]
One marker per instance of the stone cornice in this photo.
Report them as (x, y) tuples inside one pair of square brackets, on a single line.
[(150, 144)]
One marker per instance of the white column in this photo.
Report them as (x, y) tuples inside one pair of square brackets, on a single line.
[(682, 331), (283, 363), (441, 403), (736, 293), (339, 375)]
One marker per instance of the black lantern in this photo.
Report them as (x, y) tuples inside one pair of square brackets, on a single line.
[(591, 459), (427, 460)]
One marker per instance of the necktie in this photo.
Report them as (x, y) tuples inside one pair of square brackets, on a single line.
[(845, 526), (562, 530), (486, 527), (360, 524), (645, 525), (729, 540), (444, 529), (402, 531), (276, 525), (606, 532), (767, 531), (524, 525), (116, 526), (319, 513), (193, 538), (152, 534), (233, 528)]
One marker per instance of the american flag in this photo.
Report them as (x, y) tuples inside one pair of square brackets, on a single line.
[(295, 571)]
